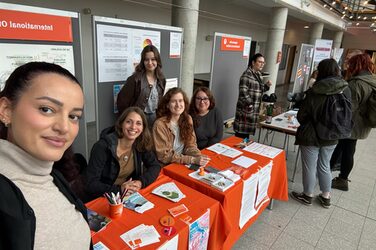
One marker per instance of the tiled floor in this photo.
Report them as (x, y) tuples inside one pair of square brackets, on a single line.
[(350, 223)]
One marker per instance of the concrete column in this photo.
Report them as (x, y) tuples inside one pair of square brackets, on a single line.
[(337, 39), (316, 32), (185, 14), (274, 44)]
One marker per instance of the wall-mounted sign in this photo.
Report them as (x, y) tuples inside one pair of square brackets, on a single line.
[(34, 26), (232, 43)]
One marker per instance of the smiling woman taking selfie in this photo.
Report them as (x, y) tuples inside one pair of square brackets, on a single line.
[(40, 108)]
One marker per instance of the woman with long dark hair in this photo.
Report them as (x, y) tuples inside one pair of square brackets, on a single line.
[(362, 81), (122, 159), (173, 134), (40, 108), (145, 87)]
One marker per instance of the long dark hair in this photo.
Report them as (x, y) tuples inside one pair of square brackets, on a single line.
[(144, 141), (140, 68), (20, 80), (193, 111), (327, 68), (185, 126)]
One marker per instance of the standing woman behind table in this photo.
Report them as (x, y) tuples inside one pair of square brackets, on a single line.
[(316, 152), (40, 108), (207, 119), (173, 134), (251, 89), (123, 157), (145, 87)]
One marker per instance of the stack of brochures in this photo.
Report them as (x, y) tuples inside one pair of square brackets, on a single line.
[(96, 221), (137, 202), (140, 236), (229, 174), (225, 150), (215, 180), (244, 161), (169, 191)]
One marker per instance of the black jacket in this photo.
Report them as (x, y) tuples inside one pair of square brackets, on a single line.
[(103, 168), (17, 229), (311, 107)]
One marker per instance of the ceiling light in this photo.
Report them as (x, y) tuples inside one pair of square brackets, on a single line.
[(372, 24), (343, 12), (357, 24), (351, 17), (325, 5), (306, 27), (343, 16), (334, 2), (359, 17), (330, 8), (346, 8), (365, 18)]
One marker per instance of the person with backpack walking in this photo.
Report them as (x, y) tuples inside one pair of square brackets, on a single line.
[(362, 83), (324, 116)]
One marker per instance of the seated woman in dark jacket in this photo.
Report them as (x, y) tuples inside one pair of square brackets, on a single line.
[(122, 158)]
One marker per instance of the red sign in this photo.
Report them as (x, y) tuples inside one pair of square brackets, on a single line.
[(34, 26), (232, 43)]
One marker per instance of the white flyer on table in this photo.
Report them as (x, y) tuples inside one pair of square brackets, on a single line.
[(225, 150), (244, 161), (264, 150), (247, 210), (263, 183), (170, 244)]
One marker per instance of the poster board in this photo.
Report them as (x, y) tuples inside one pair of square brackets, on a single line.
[(303, 70), (38, 34), (229, 60), (117, 48), (321, 51)]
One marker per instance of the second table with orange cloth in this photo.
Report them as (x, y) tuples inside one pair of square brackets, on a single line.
[(231, 199), (196, 202)]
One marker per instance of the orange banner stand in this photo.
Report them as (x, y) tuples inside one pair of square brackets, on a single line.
[(34, 26)]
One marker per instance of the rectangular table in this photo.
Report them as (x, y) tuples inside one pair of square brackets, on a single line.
[(281, 124), (196, 202), (231, 198)]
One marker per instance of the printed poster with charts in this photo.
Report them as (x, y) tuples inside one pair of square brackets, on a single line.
[(264, 150)]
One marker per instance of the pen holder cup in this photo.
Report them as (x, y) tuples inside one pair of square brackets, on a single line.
[(116, 210)]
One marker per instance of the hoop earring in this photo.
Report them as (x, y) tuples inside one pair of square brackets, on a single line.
[(5, 123)]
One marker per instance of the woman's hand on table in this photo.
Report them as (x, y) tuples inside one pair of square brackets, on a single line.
[(201, 160), (131, 186)]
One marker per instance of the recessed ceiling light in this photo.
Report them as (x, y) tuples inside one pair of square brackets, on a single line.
[(357, 24), (306, 27), (330, 8), (351, 17), (333, 2), (365, 18)]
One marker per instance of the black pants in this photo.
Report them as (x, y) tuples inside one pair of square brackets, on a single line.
[(344, 154)]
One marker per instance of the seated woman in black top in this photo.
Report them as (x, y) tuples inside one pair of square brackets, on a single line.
[(123, 157), (207, 119)]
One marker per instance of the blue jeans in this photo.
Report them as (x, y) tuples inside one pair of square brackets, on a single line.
[(316, 162)]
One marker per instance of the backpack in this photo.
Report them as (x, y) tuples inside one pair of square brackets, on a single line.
[(335, 120), (370, 115)]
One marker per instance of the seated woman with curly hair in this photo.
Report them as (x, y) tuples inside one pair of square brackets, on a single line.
[(173, 134)]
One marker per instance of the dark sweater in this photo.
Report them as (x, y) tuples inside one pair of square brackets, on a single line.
[(210, 129)]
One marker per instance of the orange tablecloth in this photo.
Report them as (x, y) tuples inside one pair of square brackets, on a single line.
[(196, 202), (231, 198)]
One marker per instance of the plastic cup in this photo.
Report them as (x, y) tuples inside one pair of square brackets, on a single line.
[(116, 210)]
